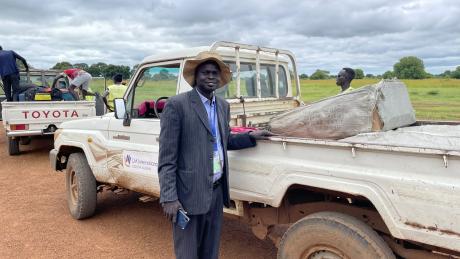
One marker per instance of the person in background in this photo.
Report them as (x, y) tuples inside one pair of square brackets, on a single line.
[(192, 162), (344, 79), (117, 90), (80, 79), (9, 72)]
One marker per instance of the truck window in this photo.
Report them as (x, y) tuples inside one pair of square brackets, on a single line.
[(248, 79), (48, 80), (34, 79), (282, 80), (152, 84)]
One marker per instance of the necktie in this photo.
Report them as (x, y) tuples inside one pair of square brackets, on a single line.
[(217, 169)]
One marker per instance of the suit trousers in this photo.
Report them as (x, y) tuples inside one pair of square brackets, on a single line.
[(201, 238), (11, 82)]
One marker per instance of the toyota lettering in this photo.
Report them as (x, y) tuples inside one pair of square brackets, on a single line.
[(50, 114)]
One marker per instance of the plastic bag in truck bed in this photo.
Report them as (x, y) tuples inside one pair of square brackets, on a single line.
[(445, 137), (380, 107)]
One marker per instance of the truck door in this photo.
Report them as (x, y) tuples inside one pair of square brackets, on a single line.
[(132, 158)]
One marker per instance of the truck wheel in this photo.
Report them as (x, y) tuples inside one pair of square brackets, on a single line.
[(80, 187), (13, 146), (332, 235)]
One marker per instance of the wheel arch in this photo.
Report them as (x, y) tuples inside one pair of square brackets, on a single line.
[(367, 193), (64, 152)]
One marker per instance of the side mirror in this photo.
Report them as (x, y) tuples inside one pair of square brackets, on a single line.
[(120, 108), (120, 111)]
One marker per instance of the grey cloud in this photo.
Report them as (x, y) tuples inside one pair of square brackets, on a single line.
[(323, 34)]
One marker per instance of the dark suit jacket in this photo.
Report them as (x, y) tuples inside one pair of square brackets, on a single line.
[(186, 151)]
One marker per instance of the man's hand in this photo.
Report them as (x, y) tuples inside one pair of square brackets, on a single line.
[(261, 134), (170, 209)]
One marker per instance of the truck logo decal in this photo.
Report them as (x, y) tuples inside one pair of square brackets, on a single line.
[(49, 114), (128, 160), (142, 162)]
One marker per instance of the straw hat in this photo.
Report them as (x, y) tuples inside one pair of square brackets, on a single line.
[(191, 65)]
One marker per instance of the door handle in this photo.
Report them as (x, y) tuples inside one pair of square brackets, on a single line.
[(122, 137), (157, 138)]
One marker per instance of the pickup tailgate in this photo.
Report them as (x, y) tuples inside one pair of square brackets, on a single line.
[(34, 117)]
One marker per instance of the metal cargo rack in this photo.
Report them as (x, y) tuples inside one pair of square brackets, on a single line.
[(258, 50)]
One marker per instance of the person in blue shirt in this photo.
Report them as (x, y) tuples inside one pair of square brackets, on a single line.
[(9, 72)]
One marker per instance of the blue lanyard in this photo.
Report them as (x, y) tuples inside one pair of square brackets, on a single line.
[(212, 121)]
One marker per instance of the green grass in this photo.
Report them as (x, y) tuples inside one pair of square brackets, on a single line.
[(97, 85), (150, 90), (433, 99)]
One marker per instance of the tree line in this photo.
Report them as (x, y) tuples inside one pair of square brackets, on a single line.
[(99, 69), (410, 67)]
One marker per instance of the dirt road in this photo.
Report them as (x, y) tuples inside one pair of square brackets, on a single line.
[(35, 223)]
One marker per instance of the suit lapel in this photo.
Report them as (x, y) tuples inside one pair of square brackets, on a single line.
[(198, 107), (221, 117)]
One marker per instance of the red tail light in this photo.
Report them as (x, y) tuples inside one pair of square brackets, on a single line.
[(19, 127)]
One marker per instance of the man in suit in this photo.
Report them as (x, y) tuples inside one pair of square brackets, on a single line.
[(193, 165)]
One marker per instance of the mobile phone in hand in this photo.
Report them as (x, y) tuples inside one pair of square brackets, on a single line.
[(182, 219)]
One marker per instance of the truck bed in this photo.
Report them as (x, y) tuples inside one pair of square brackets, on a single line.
[(415, 190)]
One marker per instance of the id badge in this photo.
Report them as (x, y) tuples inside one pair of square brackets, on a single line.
[(216, 163)]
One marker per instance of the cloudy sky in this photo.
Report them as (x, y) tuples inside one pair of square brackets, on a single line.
[(324, 34)]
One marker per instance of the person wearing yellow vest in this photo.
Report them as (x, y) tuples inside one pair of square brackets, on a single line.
[(117, 90), (344, 79)]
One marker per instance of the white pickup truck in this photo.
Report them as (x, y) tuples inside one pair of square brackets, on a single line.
[(25, 119), (314, 198)]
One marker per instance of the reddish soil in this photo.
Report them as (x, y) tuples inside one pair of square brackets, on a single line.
[(35, 222)]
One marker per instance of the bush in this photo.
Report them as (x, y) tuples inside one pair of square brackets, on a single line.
[(303, 76), (388, 75), (319, 74), (409, 68), (359, 73), (456, 73)]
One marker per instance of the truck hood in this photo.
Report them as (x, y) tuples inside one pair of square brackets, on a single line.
[(93, 123)]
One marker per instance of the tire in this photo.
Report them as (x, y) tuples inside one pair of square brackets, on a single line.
[(332, 235), (13, 146), (80, 187)]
